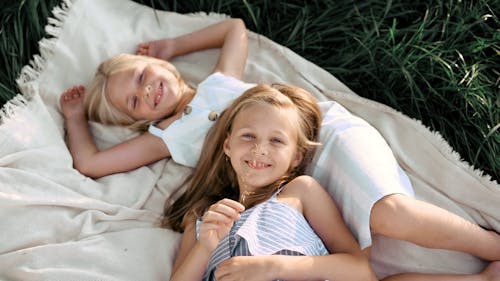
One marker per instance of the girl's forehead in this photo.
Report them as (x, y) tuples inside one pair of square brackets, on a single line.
[(134, 65), (260, 109), (263, 113)]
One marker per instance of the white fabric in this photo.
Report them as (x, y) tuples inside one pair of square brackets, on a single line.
[(354, 162), (185, 136), (59, 225), (356, 166)]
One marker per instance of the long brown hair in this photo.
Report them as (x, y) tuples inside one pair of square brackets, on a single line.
[(214, 177)]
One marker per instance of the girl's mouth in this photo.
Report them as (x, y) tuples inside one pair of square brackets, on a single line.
[(158, 94), (254, 164)]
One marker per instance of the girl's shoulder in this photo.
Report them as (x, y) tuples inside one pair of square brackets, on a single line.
[(302, 184), (300, 188), (224, 86), (217, 77), (298, 192)]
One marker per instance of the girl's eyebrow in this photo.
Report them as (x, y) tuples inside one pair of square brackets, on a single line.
[(131, 75), (134, 73), (129, 105), (282, 134), (252, 128)]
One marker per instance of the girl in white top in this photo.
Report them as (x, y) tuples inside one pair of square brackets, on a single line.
[(354, 164)]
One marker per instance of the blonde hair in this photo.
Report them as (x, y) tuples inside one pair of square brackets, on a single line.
[(214, 177), (96, 102)]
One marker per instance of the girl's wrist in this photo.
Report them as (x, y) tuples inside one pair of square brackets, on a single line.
[(75, 118), (273, 267), (203, 249), (174, 48)]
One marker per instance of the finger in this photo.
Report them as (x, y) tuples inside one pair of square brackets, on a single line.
[(66, 95), (228, 207), (81, 89), (218, 210), (210, 228), (143, 48), (217, 217), (233, 204), (223, 272)]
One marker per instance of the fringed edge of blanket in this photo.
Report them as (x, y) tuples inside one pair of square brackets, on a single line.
[(14, 104), (434, 136), (31, 71)]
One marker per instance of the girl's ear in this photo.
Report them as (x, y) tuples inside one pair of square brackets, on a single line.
[(227, 148), (299, 156)]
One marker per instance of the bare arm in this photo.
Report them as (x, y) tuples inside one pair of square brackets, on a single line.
[(92, 162), (193, 256), (346, 261), (125, 156), (192, 259), (230, 35)]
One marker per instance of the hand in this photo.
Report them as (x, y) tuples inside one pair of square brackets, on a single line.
[(244, 268), (217, 222), (162, 49), (72, 102)]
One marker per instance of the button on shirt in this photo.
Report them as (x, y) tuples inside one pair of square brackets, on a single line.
[(185, 136)]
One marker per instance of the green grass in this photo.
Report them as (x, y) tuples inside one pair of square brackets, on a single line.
[(436, 61)]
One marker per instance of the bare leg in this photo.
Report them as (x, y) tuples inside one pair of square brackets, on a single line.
[(491, 273), (424, 224)]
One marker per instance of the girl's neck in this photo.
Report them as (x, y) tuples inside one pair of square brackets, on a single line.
[(244, 194), (186, 98), (179, 109)]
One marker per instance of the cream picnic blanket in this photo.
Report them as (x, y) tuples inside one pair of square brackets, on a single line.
[(57, 224)]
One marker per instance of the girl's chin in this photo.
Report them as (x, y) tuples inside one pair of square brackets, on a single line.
[(255, 184)]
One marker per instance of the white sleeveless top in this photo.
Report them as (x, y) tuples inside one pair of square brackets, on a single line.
[(185, 136)]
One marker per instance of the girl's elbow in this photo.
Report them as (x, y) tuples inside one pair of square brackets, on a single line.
[(238, 23), (86, 169)]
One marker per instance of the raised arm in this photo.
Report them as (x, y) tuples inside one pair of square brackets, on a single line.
[(193, 255), (230, 35), (192, 258), (91, 161)]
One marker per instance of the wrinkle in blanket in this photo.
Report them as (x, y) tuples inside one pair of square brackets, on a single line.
[(60, 225)]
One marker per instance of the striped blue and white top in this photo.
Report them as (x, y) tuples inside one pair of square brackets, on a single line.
[(269, 228)]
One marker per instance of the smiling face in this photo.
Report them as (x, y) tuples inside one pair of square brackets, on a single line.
[(147, 91), (262, 145)]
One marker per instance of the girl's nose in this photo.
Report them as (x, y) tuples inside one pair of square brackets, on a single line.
[(259, 149), (147, 90)]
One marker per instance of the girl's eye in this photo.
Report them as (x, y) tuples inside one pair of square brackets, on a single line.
[(276, 140), (134, 102), (141, 76), (248, 136)]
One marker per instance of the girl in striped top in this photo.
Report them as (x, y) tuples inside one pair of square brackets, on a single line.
[(256, 208)]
